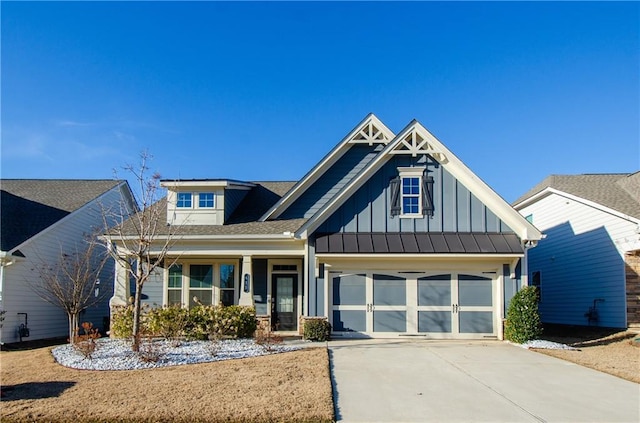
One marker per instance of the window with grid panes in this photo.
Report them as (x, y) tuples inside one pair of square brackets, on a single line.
[(200, 284), (174, 295)]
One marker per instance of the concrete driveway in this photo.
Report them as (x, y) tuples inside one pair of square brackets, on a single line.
[(471, 381)]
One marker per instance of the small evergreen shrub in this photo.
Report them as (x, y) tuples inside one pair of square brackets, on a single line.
[(317, 330), (169, 322), (122, 321), (523, 320), (221, 322)]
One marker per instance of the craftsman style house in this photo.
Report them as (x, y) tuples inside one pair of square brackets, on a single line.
[(43, 219), (588, 264), (388, 235)]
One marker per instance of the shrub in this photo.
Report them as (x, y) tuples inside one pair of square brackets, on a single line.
[(150, 351), (86, 344), (122, 321), (523, 320), (317, 330), (221, 322), (169, 322), (266, 338)]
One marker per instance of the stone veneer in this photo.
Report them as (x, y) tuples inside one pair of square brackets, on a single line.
[(632, 271)]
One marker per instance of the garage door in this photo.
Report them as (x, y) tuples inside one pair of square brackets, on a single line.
[(388, 304)]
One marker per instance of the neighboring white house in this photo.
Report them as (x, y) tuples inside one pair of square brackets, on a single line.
[(389, 235), (42, 219), (587, 265)]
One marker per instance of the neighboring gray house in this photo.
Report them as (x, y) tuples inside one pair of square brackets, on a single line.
[(389, 235), (41, 219), (588, 264)]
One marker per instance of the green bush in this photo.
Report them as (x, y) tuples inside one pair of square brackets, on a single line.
[(221, 321), (200, 322), (317, 330), (122, 321), (169, 322), (523, 320)]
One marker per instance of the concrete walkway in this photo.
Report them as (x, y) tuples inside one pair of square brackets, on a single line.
[(471, 381)]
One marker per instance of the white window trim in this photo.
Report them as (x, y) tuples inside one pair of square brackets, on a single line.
[(216, 294), (411, 172), (178, 206), (206, 207)]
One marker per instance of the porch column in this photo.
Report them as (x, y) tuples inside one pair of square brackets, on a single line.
[(121, 289), (246, 283)]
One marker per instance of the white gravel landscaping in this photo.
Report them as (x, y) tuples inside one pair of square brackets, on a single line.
[(548, 345), (116, 354)]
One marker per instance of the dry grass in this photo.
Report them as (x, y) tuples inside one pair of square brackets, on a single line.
[(287, 387), (610, 353)]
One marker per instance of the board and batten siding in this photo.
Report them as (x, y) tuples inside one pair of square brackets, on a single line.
[(579, 261), (45, 320), (456, 208), (332, 181), (232, 198)]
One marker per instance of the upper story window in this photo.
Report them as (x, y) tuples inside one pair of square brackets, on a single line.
[(184, 200), (412, 193), (410, 196), (206, 200)]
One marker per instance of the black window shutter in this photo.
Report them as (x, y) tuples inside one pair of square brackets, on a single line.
[(394, 187), (427, 196)]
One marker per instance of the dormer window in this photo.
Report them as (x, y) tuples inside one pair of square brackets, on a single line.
[(206, 200), (412, 193), (184, 200)]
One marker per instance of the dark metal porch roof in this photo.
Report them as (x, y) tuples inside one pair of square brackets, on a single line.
[(418, 243)]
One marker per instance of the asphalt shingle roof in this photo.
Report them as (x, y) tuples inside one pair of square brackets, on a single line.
[(618, 191), (28, 206)]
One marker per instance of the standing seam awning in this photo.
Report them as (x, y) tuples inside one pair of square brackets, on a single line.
[(418, 243)]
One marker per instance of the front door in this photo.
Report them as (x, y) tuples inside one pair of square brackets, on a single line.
[(284, 294)]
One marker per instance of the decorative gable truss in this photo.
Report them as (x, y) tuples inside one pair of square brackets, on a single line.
[(417, 142), (370, 133)]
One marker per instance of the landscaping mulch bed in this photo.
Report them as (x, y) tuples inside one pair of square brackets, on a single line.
[(287, 387)]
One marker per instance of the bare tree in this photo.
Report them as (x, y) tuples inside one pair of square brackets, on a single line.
[(72, 282), (140, 242)]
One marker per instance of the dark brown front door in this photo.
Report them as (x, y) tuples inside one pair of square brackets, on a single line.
[(284, 296)]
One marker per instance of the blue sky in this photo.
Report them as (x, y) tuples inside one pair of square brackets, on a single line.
[(262, 91)]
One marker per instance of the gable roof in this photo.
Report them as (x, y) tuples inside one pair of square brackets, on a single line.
[(415, 139), (28, 206), (369, 131), (616, 191)]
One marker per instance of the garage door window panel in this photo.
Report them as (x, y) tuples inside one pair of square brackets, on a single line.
[(434, 291), (474, 291)]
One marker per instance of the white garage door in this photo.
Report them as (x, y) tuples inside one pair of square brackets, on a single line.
[(388, 304)]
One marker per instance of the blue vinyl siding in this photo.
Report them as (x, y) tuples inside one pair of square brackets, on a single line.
[(232, 197), (332, 181), (456, 208)]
